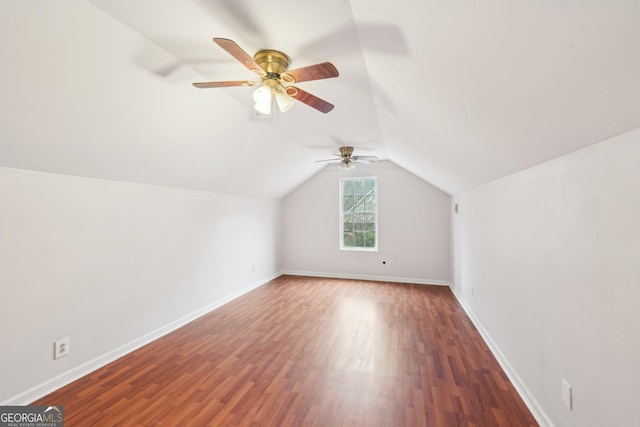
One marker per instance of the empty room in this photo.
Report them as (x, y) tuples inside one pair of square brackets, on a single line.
[(320, 213)]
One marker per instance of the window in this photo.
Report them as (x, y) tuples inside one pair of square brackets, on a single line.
[(359, 213)]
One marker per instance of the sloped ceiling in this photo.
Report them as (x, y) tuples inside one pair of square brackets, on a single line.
[(457, 92)]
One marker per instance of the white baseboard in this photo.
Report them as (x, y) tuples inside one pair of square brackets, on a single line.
[(51, 385), (366, 277), (533, 405)]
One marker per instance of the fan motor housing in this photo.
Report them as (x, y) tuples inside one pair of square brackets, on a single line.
[(346, 151), (272, 61)]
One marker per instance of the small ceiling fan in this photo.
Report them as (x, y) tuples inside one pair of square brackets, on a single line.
[(346, 159), (275, 85)]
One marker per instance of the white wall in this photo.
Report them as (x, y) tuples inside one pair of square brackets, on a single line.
[(113, 265), (413, 226), (548, 262)]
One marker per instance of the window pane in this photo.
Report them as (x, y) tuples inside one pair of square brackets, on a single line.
[(348, 239), (370, 203), (359, 240), (359, 187), (370, 239), (359, 204), (347, 203), (347, 187), (347, 224), (370, 226), (359, 222), (369, 185)]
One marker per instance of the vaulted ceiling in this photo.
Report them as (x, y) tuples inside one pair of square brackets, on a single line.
[(457, 92)]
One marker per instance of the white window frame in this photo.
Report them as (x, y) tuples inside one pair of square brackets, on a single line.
[(341, 236)]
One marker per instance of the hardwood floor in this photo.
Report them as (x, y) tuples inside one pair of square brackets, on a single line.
[(303, 351)]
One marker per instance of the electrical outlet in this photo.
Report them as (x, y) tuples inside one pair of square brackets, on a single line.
[(390, 262), (61, 348), (567, 394)]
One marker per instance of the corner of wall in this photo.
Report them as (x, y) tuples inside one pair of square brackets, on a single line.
[(528, 398)]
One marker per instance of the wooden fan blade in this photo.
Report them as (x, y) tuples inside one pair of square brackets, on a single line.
[(325, 70), (207, 85), (311, 100), (236, 51)]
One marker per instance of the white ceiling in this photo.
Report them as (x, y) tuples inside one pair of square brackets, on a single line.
[(457, 92)]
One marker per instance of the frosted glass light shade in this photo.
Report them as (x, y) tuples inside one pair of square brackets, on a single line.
[(262, 96), (285, 102), (346, 166)]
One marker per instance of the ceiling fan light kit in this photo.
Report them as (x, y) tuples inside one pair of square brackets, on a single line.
[(346, 166), (268, 93), (272, 66)]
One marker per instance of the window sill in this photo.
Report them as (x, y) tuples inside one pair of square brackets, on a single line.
[(359, 249)]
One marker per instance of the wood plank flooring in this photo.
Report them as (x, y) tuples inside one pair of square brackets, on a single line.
[(304, 351)]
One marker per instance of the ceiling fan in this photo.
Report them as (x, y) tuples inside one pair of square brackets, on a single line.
[(346, 159), (275, 85)]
